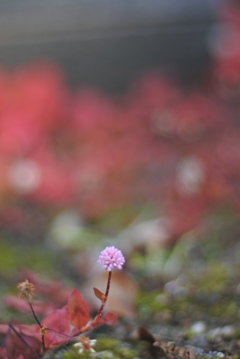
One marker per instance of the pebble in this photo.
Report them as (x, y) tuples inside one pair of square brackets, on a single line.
[(198, 327)]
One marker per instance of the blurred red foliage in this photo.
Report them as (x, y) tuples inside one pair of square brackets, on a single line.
[(160, 143)]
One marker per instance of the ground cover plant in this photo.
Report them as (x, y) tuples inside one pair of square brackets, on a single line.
[(191, 313), (62, 325)]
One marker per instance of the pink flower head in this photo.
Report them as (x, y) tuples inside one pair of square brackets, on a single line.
[(110, 258)]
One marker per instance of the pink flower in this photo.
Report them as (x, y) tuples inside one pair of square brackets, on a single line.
[(110, 258)]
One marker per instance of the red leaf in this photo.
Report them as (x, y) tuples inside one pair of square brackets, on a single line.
[(78, 314), (4, 328), (109, 318), (3, 353), (59, 326), (100, 295), (22, 305), (23, 342)]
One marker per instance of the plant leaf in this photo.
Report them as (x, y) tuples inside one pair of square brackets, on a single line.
[(109, 318), (59, 325), (23, 341), (100, 295), (78, 314)]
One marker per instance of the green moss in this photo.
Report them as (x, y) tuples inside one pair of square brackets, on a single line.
[(150, 303), (118, 349), (105, 349), (237, 334), (212, 279)]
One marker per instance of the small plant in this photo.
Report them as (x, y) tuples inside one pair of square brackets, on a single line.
[(62, 325)]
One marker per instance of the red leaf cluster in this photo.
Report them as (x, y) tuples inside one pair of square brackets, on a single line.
[(58, 327)]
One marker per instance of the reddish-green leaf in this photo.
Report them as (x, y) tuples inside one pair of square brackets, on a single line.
[(78, 314), (100, 295)]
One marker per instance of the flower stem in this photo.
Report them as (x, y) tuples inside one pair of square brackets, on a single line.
[(33, 313), (106, 295), (99, 313), (40, 325)]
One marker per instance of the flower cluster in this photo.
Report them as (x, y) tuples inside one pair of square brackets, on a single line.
[(26, 290), (111, 258)]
